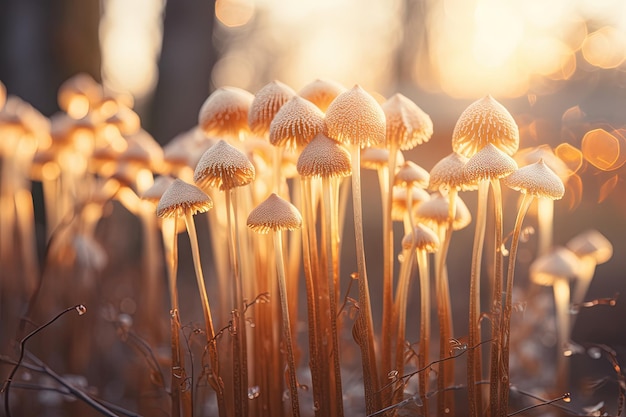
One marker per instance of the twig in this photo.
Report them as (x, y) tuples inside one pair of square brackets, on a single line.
[(544, 402)]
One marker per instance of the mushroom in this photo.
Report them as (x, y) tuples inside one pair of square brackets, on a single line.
[(321, 92), (357, 120), (417, 244), (185, 200), (275, 215), (225, 113), (556, 269), (593, 249), (534, 181)]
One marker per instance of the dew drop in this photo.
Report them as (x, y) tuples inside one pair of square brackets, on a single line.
[(446, 410), (254, 392), (354, 275), (567, 397), (81, 309), (594, 353)]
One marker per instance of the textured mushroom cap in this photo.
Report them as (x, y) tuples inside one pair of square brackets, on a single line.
[(154, 193), (487, 164), (399, 201), (225, 113), (422, 238), (448, 173), (529, 156), (355, 118), (274, 214), (323, 157), (223, 166), (435, 212), (559, 263), (410, 174), (537, 180), (181, 198), (407, 124), (266, 103), (296, 123), (377, 158), (591, 243), (321, 92), (482, 122)]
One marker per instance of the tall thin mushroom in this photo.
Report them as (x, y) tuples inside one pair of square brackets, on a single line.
[(275, 215), (185, 200)]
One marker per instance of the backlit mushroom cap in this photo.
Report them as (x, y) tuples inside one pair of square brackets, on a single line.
[(225, 113), (156, 191), (223, 166), (377, 158), (529, 156), (559, 263), (407, 124), (266, 103), (355, 118), (181, 198), (143, 150), (78, 94), (321, 92), (448, 173), (3, 95), (410, 174), (537, 180), (187, 147), (487, 164), (422, 238), (296, 123), (399, 201), (435, 212), (485, 122), (274, 214), (125, 120), (323, 157), (591, 244)]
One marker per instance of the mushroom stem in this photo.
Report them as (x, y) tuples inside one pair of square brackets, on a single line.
[(496, 307), (545, 220), (424, 276), (562, 302), (214, 378), (474, 368), (282, 291), (445, 376), (400, 314), (364, 325), (505, 329), (588, 267)]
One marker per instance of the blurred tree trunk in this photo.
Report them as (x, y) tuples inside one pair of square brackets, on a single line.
[(185, 65)]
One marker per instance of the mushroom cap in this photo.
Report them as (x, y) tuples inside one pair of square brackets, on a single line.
[(422, 238), (435, 211), (156, 191), (482, 122), (187, 147), (296, 123), (591, 243), (537, 180), (528, 156), (323, 157), (125, 120), (410, 174), (558, 263), (181, 198), (376, 158), (266, 103), (225, 113), (143, 150), (274, 214), (321, 92), (356, 118), (407, 124), (448, 173), (78, 94), (487, 164), (223, 166), (399, 201)]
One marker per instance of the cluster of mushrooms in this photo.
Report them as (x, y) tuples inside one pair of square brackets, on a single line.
[(276, 161)]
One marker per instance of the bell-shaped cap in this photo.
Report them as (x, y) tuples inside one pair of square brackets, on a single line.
[(181, 198), (356, 118), (321, 92), (448, 174), (410, 174), (407, 124), (558, 263), (225, 113), (537, 180), (399, 201), (274, 214), (158, 188), (591, 244), (266, 103), (296, 123), (187, 148), (435, 212), (485, 122), (376, 158), (529, 156), (487, 164), (323, 157), (422, 238), (223, 166)]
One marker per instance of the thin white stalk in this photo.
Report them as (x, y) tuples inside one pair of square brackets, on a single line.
[(545, 222), (562, 303), (424, 351)]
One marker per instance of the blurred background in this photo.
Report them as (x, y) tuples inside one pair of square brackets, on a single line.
[(557, 65)]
